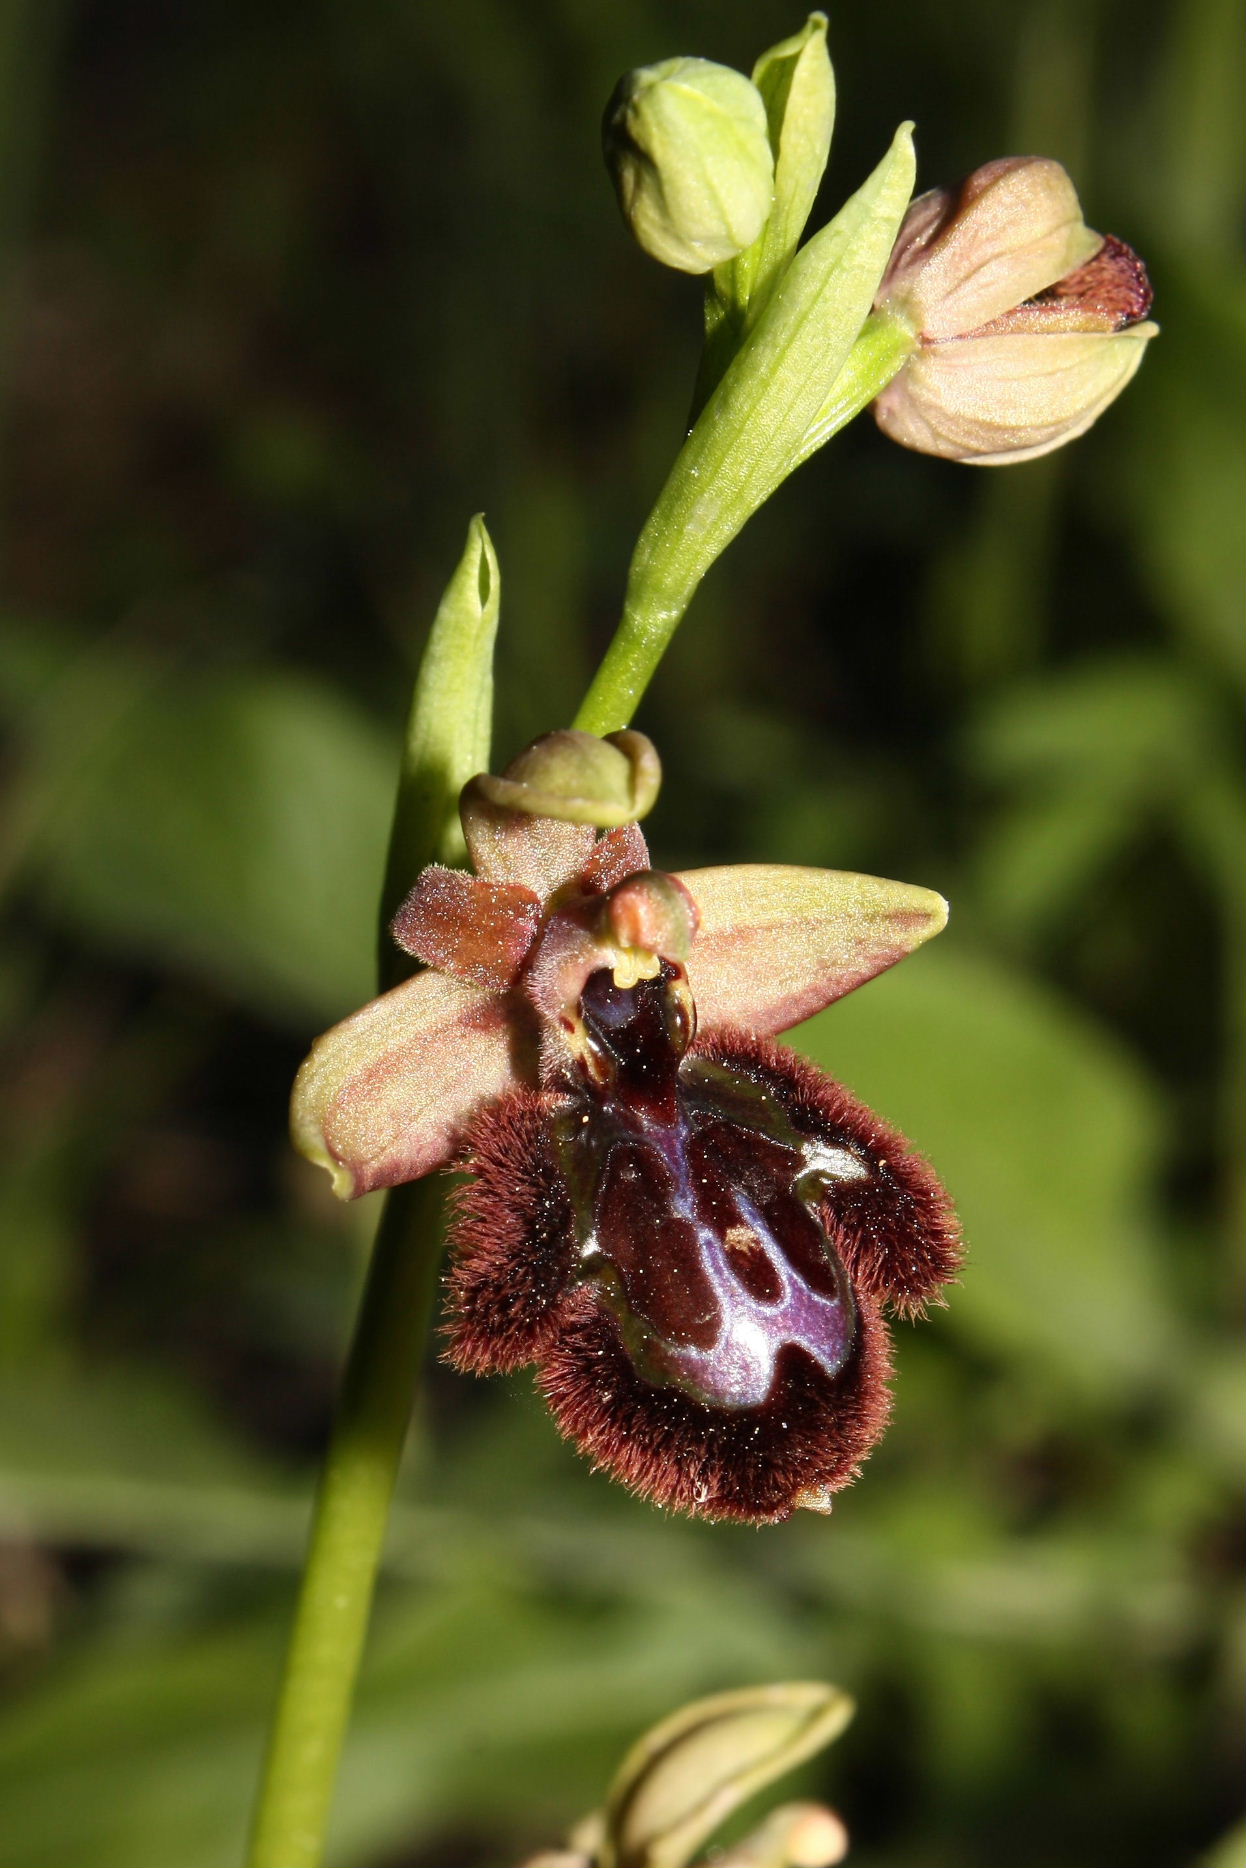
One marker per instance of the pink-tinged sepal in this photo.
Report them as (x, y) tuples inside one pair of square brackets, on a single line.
[(964, 255), (479, 931), (776, 943), (385, 1096)]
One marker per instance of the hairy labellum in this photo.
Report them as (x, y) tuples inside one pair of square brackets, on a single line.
[(693, 1242)]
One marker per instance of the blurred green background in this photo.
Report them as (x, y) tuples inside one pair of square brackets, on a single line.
[(286, 293)]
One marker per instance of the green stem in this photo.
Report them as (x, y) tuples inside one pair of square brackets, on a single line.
[(671, 558), (447, 742), (348, 1532)]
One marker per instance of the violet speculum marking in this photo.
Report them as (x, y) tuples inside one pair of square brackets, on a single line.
[(696, 1203)]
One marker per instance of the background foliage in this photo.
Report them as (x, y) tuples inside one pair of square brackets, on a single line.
[(285, 294)]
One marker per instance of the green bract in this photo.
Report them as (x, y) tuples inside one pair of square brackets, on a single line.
[(797, 85), (754, 430)]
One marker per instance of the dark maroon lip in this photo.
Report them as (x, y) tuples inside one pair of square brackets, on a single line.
[(694, 1246)]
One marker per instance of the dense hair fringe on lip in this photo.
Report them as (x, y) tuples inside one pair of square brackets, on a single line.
[(512, 1242), (747, 1464), (514, 1298), (896, 1230)]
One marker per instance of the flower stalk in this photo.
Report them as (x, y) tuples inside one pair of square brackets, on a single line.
[(447, 740), (348, 1532), (685, 533), (754, 429)]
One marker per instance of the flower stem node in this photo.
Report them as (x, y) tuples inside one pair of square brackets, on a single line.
[(690, 1233), (1027, 324), (687, 146)]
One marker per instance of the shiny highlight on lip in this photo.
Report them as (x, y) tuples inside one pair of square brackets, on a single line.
[(696, 1213)]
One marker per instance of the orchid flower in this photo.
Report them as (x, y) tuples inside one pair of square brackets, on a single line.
[(691, 1232)]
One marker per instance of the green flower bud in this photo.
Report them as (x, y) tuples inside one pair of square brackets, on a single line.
[(685, 1777), (575, 778), (687, 146)]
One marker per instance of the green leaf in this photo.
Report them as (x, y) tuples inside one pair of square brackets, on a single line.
[(745, 442), (235, 826), (754, 430), (798, 84)]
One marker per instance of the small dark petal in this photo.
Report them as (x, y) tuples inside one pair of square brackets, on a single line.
[(615, 856), (479, 931), (512, 1244), (753, 1464)]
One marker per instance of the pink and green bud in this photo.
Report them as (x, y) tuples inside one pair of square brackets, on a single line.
[(1025, 323)]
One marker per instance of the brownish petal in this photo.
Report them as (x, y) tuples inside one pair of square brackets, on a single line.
[(1011, 396), (479, 931), (778, 942), (384, 1096)]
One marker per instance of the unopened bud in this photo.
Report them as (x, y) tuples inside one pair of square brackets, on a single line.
[(688, 150), (653, 913), (1027, 323), (796, 1835), (578, 779), (684, 1778)]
